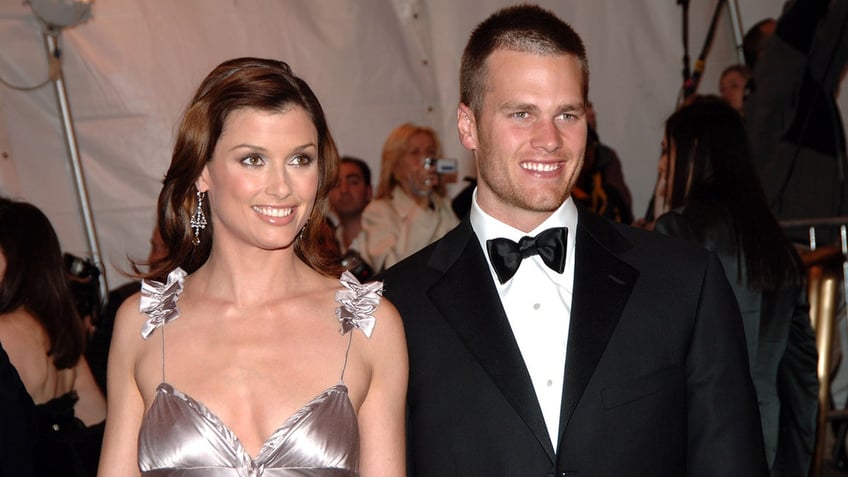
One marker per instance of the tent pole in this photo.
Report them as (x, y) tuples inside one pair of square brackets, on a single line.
[(736, 26), (51, 37)]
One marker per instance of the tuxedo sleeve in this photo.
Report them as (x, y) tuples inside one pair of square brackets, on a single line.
[(723, 421)]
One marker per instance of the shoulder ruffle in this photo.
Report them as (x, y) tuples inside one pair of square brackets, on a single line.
[(357, 303), (159, 301)]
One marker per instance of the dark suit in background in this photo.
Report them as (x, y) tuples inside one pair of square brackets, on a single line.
[(794, 123)]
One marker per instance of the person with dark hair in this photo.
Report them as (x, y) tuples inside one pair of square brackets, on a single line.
[(600, 186), (265, 364), (44, 338), (754, 41), (409, 210), (544, 339), (714, 200), (792, 117), (348, 199), (352, 192), (732, 84)]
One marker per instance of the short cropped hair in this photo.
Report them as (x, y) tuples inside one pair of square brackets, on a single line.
[(362, 165), (523, 28)]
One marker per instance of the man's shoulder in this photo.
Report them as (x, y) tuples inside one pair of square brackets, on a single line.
[(434, 258), (627, 240)]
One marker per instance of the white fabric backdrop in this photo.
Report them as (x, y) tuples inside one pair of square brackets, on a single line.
[(374, 64)]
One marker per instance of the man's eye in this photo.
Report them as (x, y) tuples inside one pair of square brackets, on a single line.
[(521, 115)]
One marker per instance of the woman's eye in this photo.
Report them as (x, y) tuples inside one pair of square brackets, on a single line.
[(253, 160), (301, 160)]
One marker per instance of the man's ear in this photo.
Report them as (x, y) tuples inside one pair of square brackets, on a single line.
[(466, 124)]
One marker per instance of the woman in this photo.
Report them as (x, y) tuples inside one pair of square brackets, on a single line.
[(44, 338), (409, 211), (250, 374), (716, 200)]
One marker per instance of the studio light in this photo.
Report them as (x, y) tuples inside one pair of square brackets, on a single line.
[(61, 13)]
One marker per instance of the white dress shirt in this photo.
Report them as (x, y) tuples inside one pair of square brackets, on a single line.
[(537, 301)]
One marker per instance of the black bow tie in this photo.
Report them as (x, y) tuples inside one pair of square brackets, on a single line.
[(506, 255)]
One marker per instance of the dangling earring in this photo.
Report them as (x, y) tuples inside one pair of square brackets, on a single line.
[(302, 229), (198, 220)]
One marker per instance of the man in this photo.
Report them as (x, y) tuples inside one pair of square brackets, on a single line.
[(791, 113), (347, 201), (349, 198), (627, 360), (600, 185)]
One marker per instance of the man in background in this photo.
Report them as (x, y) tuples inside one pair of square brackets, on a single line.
[(348, 199), (795, 127)]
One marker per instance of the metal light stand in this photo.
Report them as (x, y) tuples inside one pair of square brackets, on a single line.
[(51, 42), (736, 26)]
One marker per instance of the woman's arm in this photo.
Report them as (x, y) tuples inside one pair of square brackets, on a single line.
[(382, 415), (119, 456)]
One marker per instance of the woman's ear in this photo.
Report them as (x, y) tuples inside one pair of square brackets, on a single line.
[(202, 182), (466, 124)]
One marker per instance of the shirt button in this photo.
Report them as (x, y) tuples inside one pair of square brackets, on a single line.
[(536, 306), (550, 383)]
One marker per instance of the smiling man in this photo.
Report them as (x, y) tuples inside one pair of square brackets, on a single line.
[(544, 340)]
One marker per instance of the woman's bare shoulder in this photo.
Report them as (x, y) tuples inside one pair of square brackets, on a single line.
[(128, 322)]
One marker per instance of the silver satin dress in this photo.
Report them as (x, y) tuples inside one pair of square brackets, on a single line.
[(180, 437)]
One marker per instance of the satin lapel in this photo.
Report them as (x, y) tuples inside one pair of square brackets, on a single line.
[(602, 285), (467, 298)]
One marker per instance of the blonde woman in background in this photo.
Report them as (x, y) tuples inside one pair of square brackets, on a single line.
[(409, 211)]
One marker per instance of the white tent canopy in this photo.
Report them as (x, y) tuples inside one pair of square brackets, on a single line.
[(374, 64)]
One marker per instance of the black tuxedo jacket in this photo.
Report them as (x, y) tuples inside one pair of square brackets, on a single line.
[(656, 374)]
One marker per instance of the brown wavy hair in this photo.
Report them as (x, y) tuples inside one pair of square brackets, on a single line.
[(263, 84)]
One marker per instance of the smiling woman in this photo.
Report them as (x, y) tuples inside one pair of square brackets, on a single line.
[(264, 171), (241, 211)]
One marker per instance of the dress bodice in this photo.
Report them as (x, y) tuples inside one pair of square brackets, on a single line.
[(181, 437)]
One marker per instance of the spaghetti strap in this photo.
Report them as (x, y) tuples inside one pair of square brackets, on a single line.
[(162, 332), (357, 303), (159, 302), (347, 352)]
